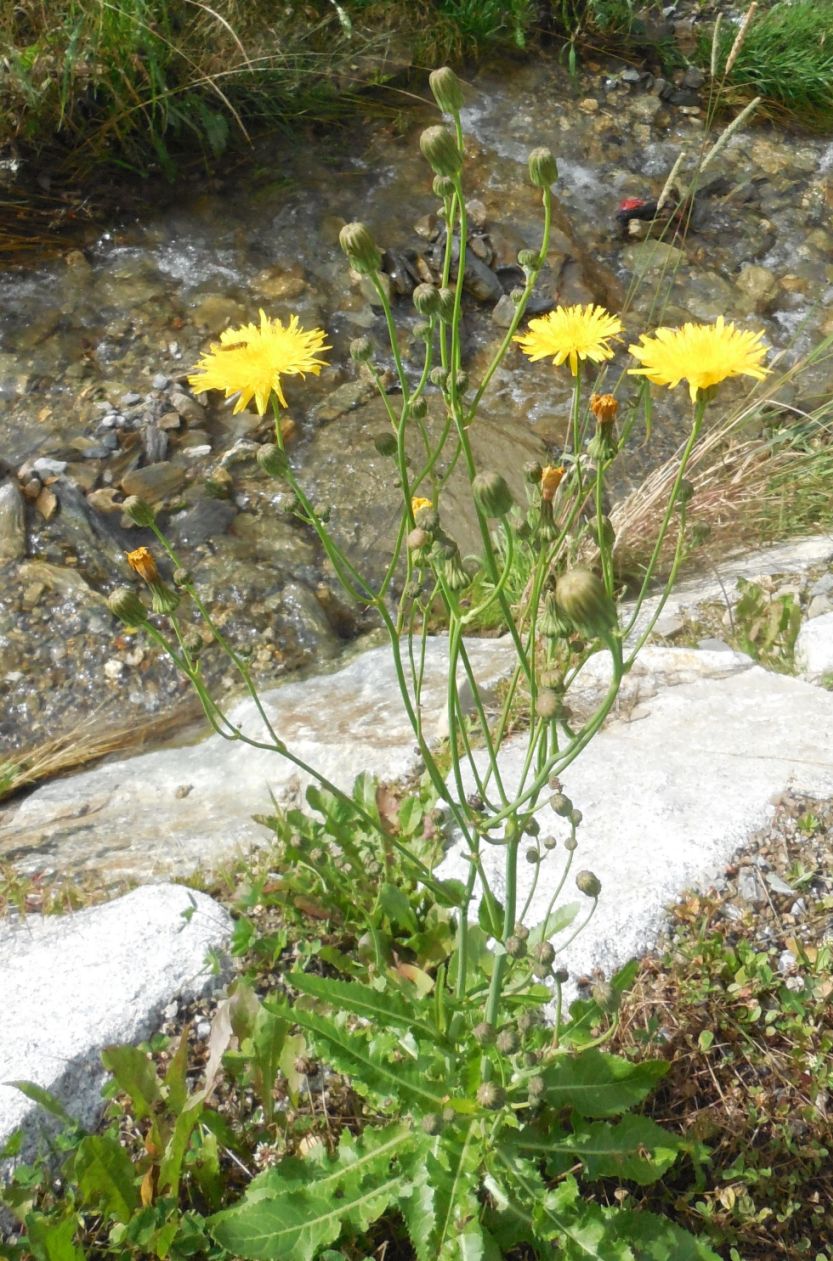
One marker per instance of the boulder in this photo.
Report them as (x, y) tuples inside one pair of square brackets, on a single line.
[(814, 648)]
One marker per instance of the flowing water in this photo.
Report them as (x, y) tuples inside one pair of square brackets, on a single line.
[(94, 348)]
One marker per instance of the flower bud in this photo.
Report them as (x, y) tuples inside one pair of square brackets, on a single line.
[(142, 562), (446, 304), (581, 597), (605, 997), (545, 527), (419, 408), (546, 703), (127, 606), (418, 502), (484, 1033), (426, 516), (561, 976), (516, 295), (361, 349), (533, 471), (529, 259), (163, 599), (521, 931), (570, 844), (540, 971), (461, 382), (588, 884), (561, 804), (385, 443), (272, 459), (685, 492), (417, 539), (507, 1042), (551, 477), (543, 171), (139, 512), (575, 817), (447, 90), (545, 952), (491, 1096), (527, 1020), (515, 947), (439, 148), (193, 642), (536, 1086), (360, 249), (491, 494), (532, 827), (550, 842), (439, 377), (182, 577), (426, 299), (532, 855), (443, 186), (604, 407)]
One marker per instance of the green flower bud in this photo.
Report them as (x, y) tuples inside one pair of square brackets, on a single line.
[(550, 842), (443, 187), (521, 931), (517, 296), (422, 330), (182, 577), (588, 884), (515, 947), (529, 259), (163, 599), (532, 472), (419, 409), (447, 90), (581, 597), (603, 445), (545, 952), (606, 533), (139, 512), (193, 642), (426, 299), (532, 855), (432, 1123), (543, 171), (417, 539), (576, 817), (491, 494), (540, 971), (454, 573), (127, 606), (536, 1086), (272, 459), (360, 249), (527, 1020), (439, 377), (446, 304), (685, 492), (545, 527), (385, 444), (507, 1042), (427, 518), (484, 1033), (449, 1116), (491, 1096), (439, 148), (361, 349), (561, 804), (561, 976), (570, 844), (461, 382), (547, 703)]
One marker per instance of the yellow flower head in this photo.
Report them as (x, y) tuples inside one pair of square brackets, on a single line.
[(571, 333), (551, 476), (142, 562), (251, 360), (604, 407), (418, 502), (701, 354)]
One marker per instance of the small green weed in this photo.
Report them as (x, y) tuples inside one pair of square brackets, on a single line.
[(766, 626)]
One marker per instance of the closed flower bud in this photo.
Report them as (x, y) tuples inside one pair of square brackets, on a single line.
[(432, 1123), (419, 408), (545, 952), (533, 471), (529, 259), (532, 855), (515, 947), (605, 997), (606, 532), (540, 971), (491, 494), (546, 703), (536, 1087), (360, 249), (604, 444), (484, 1033), (439, 148), (360, 349), (182, 577), (417, 539), (438, 377), (491, 1096), (139, 512), (521, 931), (581, 597), (127, 606), (426, 516), (193, 642), (543, 171), (527, 1020), (163, 599), (570, 844), (517, 296), (561, 976), (532, 827), (550, 842), (561, 804), (142, 562), (507, 1042), (685, 492), (461, 382), (545, 527), (447, 90), (272, 459), (443, 186), (576, 817), (426, 299), (588, 884), (446, 304), (422, 329), (604, 407), (385, 444)]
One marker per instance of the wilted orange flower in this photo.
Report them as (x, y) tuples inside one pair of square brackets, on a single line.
[(551, 476), (604, 407), (141, 562)]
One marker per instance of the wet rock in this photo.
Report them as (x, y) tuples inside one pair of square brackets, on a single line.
[(98, 542), (62, 579), (105, 499), (71, 985), (308, 619), (154, 482), (187, 407), (503, 312), (345, 398), (45, 466), (206, 520), (160, 381), (760, 286), (215, 312), (652, 256), (47, 503), (12, 523), (155, 443)]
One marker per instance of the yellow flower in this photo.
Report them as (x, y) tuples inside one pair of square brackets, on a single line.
[(702, 354), (251, 360), (142, 562), (418, 502), (551, 475), (571, 333)]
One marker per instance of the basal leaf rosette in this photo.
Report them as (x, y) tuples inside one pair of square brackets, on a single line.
[(251, 360), (701, 354), (569, 334)]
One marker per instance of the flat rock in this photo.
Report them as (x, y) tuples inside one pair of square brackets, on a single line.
[(155, 482), (177, 810), (71, 985), (669, 790), (12, 524)]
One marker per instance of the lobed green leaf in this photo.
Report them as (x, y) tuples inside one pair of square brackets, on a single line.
[(596, 1084)]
